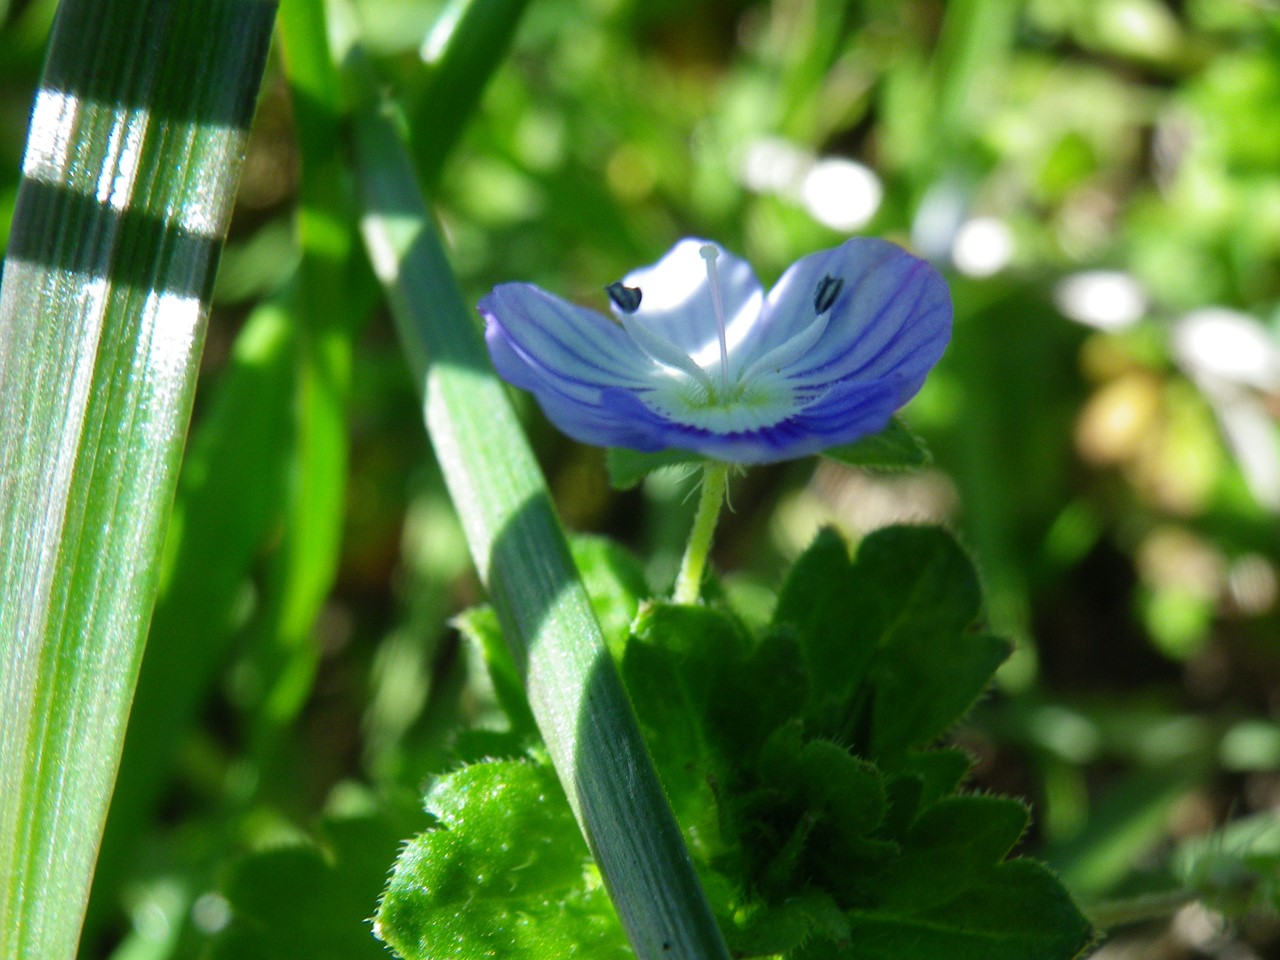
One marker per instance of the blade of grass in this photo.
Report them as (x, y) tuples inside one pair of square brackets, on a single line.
[(520, 553), (230, 494), (467, 42), (233, 482), (130, 171), (327, 320)]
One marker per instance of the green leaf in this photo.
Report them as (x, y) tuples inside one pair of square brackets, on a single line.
[(810, 816), (473, 36), (948, 894), (922, 779), (760, 930), (313, 900), (887, 638), (480, 626), (892, 449), (230, 491), (926, 683), (951, 841), (845, 792), (1013, 911), (628, 467), (615, 581), (823, 603), (132, 162), (502, 876), (679, 668), (931, 668), (324, 303)]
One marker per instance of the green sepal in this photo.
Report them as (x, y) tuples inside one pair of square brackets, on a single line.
[(893, 449), (628, 467)]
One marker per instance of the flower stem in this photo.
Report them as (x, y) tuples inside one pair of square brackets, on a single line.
[(715, 480)]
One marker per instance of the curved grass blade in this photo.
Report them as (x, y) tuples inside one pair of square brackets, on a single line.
[(131, 166), (521, 555)]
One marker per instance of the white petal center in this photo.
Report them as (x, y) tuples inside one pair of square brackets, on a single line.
[(750, 405)]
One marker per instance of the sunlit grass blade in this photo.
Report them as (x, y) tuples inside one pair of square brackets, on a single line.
[(270, 451), (229, 497), (130, 171), (521, 555)]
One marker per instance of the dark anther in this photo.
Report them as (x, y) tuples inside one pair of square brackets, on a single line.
[(626, 299), (828, 289)]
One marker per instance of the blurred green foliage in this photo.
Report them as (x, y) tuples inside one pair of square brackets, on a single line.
[(1102, 180)]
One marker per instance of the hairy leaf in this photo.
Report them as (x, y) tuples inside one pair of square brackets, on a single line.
[(504, 875)]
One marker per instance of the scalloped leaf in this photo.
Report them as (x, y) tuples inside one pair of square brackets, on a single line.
[(888, 636)]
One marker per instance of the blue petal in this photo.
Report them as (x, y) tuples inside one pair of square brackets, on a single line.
[(574, 407), (676, 299), (789, 306), (579, 348), (893, 317)]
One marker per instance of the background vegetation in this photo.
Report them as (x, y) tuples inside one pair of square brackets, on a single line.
[(1101, 180)]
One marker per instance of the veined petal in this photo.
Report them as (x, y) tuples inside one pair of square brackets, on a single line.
[(575, 408), (789, 308), (565, 341), (846, 411), (893, 317), (676, 300), (600, 423)]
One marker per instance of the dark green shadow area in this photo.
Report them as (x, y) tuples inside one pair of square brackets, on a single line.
[(132, 248), (115, 34)]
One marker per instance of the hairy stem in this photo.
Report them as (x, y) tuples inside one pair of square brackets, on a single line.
[(715, 480)]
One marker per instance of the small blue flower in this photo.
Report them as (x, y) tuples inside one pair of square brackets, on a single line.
[(698, 357)]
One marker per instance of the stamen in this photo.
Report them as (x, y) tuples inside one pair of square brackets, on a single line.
[(626, 299), (710, 254), (824, 296)]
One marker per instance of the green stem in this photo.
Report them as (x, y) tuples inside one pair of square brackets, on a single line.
[(715, 480)]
